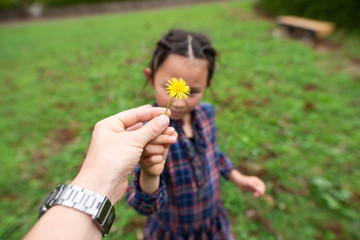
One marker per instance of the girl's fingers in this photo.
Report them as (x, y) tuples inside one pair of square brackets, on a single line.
[(152, 160), (153, 149), (169, 131), (169, 136), (165, 139), (259, 189)]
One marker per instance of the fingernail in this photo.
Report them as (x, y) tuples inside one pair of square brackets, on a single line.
[(172, 138), (163, 120)]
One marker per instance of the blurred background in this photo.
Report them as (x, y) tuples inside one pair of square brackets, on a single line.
[(287, 95)]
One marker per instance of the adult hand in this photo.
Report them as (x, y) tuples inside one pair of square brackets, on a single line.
[(116, 147)]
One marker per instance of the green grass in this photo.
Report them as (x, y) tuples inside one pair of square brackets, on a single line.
[(286, 113)]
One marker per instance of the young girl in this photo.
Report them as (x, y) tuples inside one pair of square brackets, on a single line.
[(181, 195)]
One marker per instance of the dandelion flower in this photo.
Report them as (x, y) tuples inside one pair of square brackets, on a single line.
[(177, 88)]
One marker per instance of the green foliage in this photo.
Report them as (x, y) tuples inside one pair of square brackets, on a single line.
[(333, 197), (344, 13), (285, 112), (6, 4)]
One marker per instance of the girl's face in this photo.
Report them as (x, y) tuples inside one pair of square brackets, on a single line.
[(194, 72)]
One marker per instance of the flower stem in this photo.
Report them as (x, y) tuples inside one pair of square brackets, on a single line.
[(168, 105)]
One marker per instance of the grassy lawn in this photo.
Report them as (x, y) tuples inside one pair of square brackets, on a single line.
[(286, 112)]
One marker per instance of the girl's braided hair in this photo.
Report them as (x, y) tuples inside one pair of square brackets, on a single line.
[(185, 44)]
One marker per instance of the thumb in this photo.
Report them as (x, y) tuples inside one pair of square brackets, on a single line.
[(152, 129)]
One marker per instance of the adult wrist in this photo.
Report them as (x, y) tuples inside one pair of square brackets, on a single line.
[(114, 189), (97, 206)]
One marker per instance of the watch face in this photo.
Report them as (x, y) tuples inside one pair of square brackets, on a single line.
[(48, 202), (107, 216), (104, 212), (109, 221)]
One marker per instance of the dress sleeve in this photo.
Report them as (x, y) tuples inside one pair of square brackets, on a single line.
[(224, 164), (144, 203)]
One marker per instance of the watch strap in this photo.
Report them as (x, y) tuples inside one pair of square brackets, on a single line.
[(97, 206)]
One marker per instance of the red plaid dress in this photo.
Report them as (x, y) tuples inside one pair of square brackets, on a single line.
[(188, 204)]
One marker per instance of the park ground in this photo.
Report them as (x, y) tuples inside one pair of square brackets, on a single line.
[(286, 112)]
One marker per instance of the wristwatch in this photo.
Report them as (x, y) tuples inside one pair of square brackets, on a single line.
[(97, 206)]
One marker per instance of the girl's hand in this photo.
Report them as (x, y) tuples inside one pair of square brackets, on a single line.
[(153, 158), (248, 183)]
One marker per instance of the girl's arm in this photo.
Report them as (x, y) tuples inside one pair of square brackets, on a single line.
[(248, 183), (153, 159), (148, 183), (147, 191), (224, 163), (142, 202)]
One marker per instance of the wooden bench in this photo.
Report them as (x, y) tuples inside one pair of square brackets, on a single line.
[(304, 28)]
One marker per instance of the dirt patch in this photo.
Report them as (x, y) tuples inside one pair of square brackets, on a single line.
[(354, 66), (310, 87), (51, 146), (255, 215)]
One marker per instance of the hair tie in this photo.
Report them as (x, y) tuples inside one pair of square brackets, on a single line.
[(165, 44), (205, 47)]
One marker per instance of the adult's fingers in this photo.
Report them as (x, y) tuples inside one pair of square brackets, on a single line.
[(133, 116), (145, 106), (152, 129), (134, 127)]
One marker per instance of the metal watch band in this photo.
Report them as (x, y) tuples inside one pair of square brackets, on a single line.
[(97, 206)]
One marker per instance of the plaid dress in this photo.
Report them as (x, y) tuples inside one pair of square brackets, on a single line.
[(188, 204)]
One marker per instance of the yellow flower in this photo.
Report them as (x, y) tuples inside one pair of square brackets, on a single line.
[(178, 88)]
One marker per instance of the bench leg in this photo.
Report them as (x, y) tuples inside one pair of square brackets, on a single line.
[(309, 37)]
